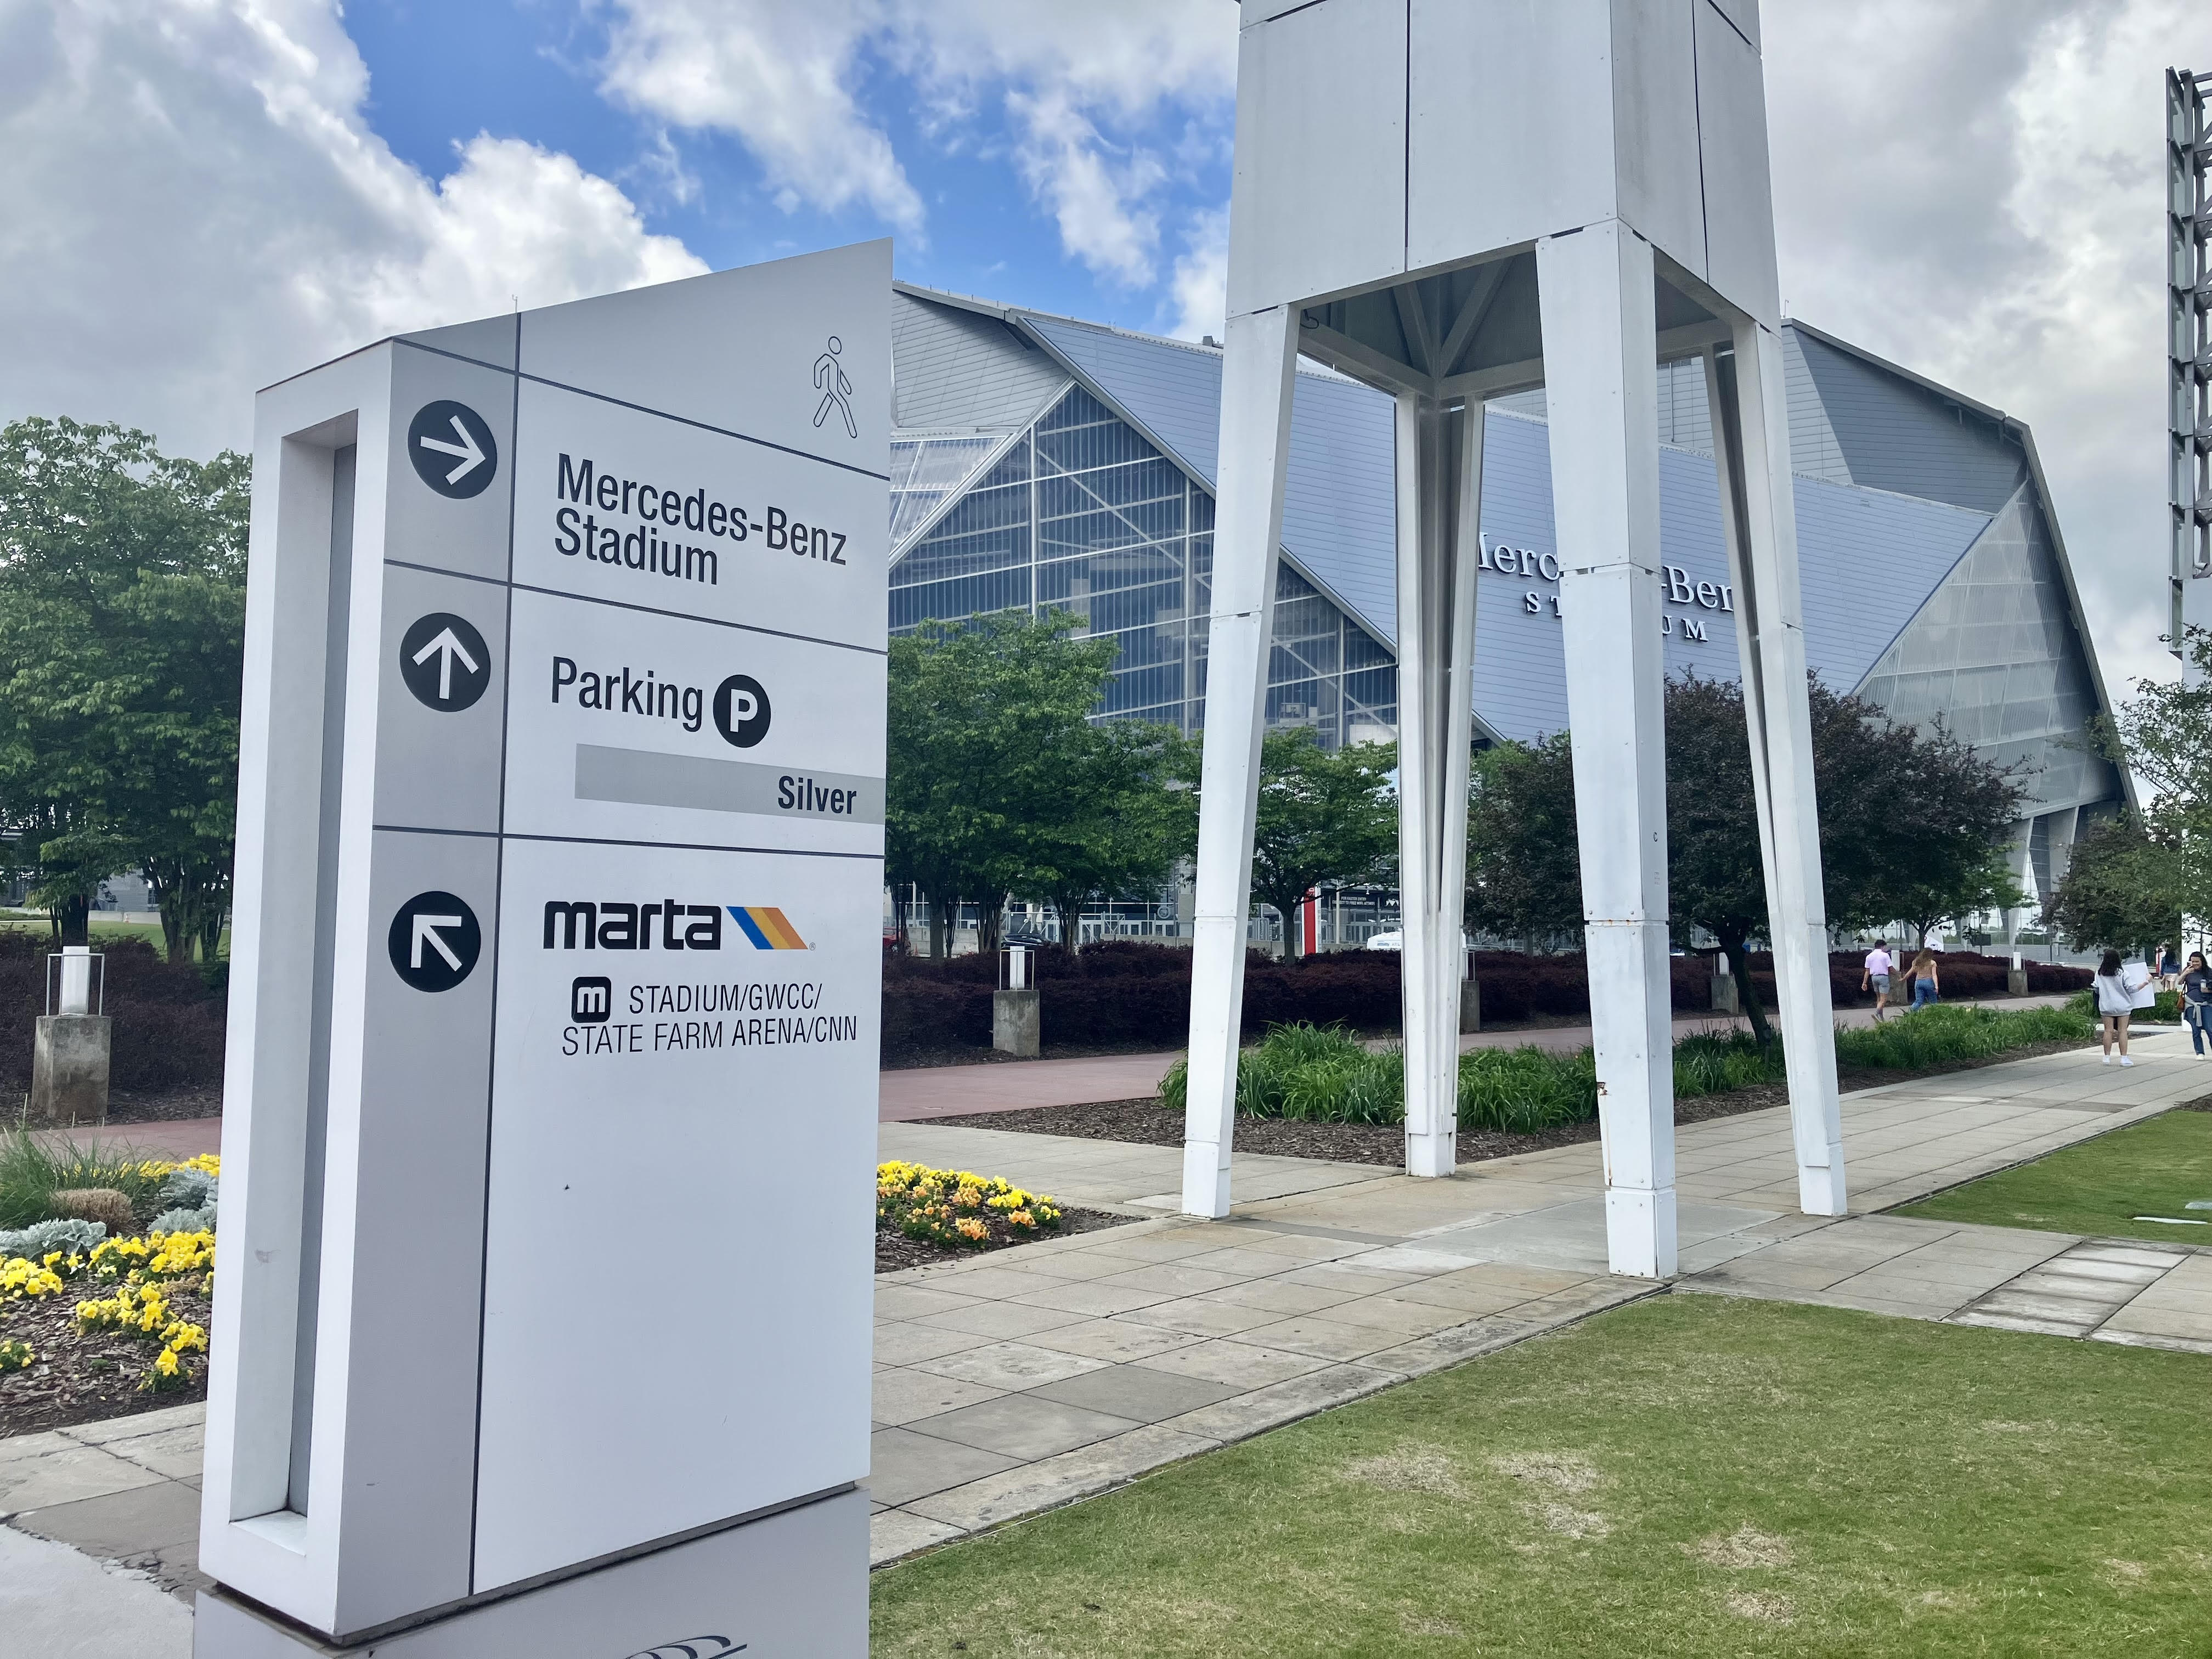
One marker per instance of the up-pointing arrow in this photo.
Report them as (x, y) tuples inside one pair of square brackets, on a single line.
[(425, 932), (445, 647), (471, 456)]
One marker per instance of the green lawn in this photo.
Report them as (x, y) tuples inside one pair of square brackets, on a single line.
[(2098, 1187), (1691, 1475)]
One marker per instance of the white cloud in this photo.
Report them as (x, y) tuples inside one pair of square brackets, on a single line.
[(1974, 190), (1201, 283), (193, 206), (776, 75), (1075, 83)]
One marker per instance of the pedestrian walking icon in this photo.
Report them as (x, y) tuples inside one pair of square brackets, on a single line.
[(452, 449), (445, 661), (434, 941), (836, 391)]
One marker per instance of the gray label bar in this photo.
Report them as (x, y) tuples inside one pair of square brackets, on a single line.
[(645, 777)]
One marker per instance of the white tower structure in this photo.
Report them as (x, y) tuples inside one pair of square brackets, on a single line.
[(1454, 200)]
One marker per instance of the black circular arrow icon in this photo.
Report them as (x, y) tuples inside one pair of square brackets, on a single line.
[(452, 449), (741, 710), (445, 661), (434, 941)]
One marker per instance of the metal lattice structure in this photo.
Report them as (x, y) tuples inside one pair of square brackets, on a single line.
[(2189, 344)]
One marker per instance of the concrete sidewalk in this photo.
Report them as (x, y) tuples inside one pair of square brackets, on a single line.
[(1014, 1381)]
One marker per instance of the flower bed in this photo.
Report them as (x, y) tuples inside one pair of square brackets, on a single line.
[(958, 1211), (95, 1325)]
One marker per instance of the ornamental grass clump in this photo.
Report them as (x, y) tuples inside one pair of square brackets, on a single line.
[(958, 1210), (1940, 1034)]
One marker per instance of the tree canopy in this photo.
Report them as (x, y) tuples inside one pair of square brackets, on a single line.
[(1323, 815), (1912, 826), (1001, 782), (2120, 892), (2159, 734), (122, 625)]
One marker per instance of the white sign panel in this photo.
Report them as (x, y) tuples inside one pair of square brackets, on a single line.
[(552, 1097)]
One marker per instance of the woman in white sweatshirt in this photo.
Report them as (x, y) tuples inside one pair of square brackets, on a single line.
[(2116, 1000)]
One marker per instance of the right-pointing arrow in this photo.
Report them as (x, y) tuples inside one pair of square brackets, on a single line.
[(473, 455), (425, 932), (445, 647)]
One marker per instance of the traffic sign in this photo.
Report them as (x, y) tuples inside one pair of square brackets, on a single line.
[(452, 449), (741, 711), (433, 941), (445, 661)]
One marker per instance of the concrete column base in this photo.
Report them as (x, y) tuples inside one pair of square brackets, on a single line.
[(1820, 1186), (2015, 982), (1470, 1005), (1639, 1231), (1725, 1000), (1017, 1022), (70, 1067)]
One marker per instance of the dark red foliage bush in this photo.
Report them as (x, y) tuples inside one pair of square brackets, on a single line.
[(169, 1026), (1131, 992)]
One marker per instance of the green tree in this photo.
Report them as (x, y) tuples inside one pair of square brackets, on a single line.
[(1123, 813), (1524, 873), (2118, 892), (1913, 823), (1323, 815), (122, 617), (1001, 782), (2159, 735)]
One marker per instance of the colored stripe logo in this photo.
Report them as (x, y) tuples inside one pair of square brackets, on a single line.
[(767, 927)]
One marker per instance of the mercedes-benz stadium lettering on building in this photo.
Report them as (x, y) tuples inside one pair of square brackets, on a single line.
[(1039, 462)]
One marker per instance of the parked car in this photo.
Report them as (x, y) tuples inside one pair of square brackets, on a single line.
[(1396, 940)]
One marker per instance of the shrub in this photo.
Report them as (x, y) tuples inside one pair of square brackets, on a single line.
[(104, 1205), (186, 1189), (201, 1220), (168, 1021)]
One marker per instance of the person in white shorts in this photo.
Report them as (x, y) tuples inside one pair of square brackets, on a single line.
[(1879, 966)]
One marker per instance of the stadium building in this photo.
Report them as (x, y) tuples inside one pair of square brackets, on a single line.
[(1041, 462)]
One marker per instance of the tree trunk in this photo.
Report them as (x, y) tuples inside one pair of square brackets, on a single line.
[(939, 943), (990, 920), (1746, 997), (1069, 906), (212, 916)]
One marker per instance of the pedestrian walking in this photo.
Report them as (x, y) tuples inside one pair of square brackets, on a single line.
[(2196, 999), (1925, 983), (1879, 966), (2116, 1002)]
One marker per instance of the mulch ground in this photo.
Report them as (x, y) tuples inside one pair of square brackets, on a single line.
[(88, 1377), (1148, 1123), (165, 1105), (895, 1250)]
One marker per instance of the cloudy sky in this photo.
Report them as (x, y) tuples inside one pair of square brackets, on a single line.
[(201, 196)]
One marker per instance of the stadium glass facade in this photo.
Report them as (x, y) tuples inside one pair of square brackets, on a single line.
[(1041, 462), (1076, 511)]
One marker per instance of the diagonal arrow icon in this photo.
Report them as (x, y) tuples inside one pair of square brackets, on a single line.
[(445, 647), (472, 455), (426, 932)]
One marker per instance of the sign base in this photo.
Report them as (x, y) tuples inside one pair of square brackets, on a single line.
[(791, 1583)]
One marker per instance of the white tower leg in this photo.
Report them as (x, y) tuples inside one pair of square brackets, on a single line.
[(1751, 448), (1439, 497), (1600, 377), (1260, 356)]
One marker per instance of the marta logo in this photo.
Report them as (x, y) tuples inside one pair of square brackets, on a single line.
[(666, 925)]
